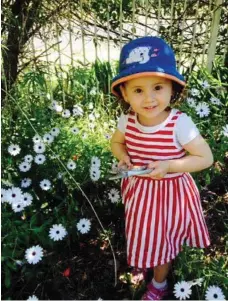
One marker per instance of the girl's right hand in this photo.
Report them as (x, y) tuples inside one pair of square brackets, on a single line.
[(125, 161)]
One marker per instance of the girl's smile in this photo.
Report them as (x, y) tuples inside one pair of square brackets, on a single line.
[(148, 96)]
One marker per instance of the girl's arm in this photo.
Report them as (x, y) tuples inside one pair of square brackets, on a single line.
[(118, 148), (199, 158)]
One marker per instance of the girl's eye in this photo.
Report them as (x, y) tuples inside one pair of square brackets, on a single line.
[(138, 90), (157, 88)]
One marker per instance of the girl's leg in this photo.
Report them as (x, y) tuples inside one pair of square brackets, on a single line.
[(161, 272)]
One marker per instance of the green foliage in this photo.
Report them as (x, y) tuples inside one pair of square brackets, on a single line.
[(64, 203)]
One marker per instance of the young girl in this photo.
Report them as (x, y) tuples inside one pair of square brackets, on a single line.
[(162, 209)]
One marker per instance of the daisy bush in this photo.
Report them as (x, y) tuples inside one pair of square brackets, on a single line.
[(47, 173)]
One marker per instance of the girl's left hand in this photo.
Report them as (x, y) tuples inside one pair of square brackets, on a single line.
[(161, 168)]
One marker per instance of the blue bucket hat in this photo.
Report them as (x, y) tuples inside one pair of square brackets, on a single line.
[(146, 56)]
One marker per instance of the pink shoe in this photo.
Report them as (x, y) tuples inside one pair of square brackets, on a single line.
[(153, 293)]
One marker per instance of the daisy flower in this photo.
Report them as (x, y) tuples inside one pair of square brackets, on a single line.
[(48, 138), (195, 92), (198, 281), (57, 232), (39, 159), (37, 139), (14, 195), (95, 162), (92, 117), (28, 158), (84, 225), (97, 115), (25, 166), (214, 293), (84, 136), (71, 165), (93, 91), (90, 106), (14, 149), (91, 126), (215, 101), (60, 175), (114, 195), (182, 290), (77, 111), (27, 199), (18, 207), (114, 167), (3, 195), (225, 130), (202, 109), (75, 130), (55, 132), (26, 182), (95, 173), (34, 254), (107, 136), (52, 105), (39, 147), (205, 84), (31, 298), (191, 102), (66, 113), (58, 108), (45, 184)]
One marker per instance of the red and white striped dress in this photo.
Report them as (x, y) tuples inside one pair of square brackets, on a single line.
[(160, 215)]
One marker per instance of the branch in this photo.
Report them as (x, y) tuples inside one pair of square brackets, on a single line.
[(36, 57)]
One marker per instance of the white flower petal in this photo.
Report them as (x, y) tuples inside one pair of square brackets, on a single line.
[(34, 254), (66, 113), (95, 162), (114, 195), (225, 130), (40, 159), (55, 132), (13, 195), (27, 199), (28, 158), (84, 225), (202, 109), (25, 166), (45, 184), (182, 290), (214, 293), (17, 207), (77, 111), (48, 138), (37, 139), (32, 298), (26, 182), (95, 173), (14, 149), (57, 232), (71, 165), (75, 130), (39, 147)]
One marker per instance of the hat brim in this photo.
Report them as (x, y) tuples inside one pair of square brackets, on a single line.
[(121, 78)]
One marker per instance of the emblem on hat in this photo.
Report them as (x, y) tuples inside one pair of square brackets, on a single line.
[(139, 55)]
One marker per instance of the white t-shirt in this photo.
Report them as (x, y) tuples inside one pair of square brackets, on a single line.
[(185, 129)]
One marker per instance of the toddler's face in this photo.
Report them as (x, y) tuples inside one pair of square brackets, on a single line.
[(148, 96)]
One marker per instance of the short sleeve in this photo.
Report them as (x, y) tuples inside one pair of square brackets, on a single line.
[(122, 123), (186, 130)]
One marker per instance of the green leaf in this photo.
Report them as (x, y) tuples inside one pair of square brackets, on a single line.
[(208, 179), (7, 277)]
